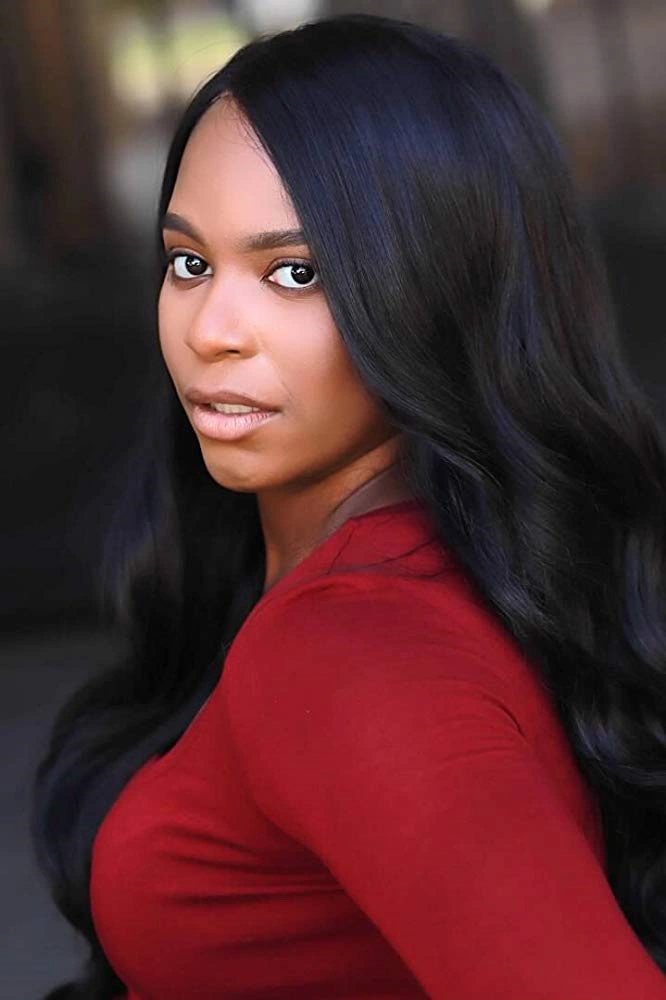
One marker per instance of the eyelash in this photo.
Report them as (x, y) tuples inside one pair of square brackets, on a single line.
[(295, 262), (173, 255)]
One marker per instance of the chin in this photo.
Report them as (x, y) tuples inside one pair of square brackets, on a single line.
[(237, 475), (230, 482)]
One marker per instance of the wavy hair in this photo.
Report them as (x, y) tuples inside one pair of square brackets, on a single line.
[(469, 292)]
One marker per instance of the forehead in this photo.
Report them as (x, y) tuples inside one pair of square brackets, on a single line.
[(225, 176)]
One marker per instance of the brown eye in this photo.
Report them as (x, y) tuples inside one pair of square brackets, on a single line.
[(302, 274), (296, 274), (187, 266)]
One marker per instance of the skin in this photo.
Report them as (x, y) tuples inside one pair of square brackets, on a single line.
[(231, 320)]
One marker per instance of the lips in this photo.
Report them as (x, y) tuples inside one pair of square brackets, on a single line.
[(228, 426), (204, 397)]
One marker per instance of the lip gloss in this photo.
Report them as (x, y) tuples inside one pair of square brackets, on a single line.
[(228, 426)]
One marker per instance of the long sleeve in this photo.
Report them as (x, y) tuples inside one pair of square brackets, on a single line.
[(377, 738)]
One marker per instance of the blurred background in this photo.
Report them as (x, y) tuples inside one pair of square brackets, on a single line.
[(90, 91)]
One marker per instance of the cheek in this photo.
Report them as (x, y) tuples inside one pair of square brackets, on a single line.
[(326, 387), (319, 343), (162, 315), (169, 326), (312, 361)]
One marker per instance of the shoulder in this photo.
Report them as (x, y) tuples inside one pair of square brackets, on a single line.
[(368, 633), (356, 676), (345, 677)]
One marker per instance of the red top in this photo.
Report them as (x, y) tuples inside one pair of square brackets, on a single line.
[(377, 801)]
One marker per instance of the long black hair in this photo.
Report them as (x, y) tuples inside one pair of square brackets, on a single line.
[(469, 293)]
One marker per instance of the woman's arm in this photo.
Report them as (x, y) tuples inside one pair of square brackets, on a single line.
[(420, 793)]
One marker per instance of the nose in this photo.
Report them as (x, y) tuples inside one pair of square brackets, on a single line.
[(220, 325)]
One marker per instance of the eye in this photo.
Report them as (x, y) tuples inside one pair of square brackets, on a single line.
[(295, 274), (187, 266)]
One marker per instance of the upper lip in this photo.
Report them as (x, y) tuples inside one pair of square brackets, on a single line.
[(204, 396)]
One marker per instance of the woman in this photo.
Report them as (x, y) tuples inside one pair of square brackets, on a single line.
[(431, 559)]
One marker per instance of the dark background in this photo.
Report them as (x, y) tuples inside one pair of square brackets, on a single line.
[(89, 93)]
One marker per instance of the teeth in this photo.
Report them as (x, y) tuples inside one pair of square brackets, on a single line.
[(234, 408)]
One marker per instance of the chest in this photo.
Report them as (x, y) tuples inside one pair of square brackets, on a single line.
[(195, 893)]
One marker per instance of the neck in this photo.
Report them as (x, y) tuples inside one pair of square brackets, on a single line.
[(384, 488)]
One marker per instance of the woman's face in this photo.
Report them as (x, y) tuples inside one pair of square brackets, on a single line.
[(241, 310)]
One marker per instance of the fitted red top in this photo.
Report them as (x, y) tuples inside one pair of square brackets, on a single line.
[(377, 801)]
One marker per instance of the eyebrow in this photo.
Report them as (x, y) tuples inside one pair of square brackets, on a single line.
[(269, 240)]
